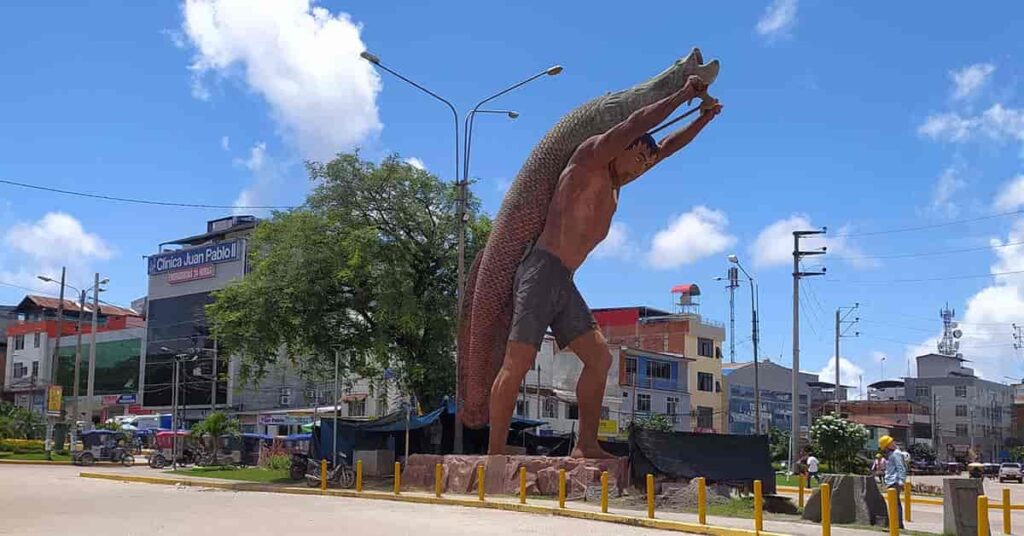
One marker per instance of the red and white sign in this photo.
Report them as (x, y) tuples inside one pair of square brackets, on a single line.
[(136, 409), (205, 271), (109, 400)]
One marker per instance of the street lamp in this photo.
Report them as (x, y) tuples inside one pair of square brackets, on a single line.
[(754, 334)]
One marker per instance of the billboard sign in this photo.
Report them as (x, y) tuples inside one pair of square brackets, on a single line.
[(127, 399), (284, 420), (195, 273), (53, 399), (183, 259)]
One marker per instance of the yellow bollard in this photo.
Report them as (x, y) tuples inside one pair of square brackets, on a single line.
[(604, 492), (826, 510), (702, 499), (522, 485), (323, 475), (1006, 511), (480, 482), (650, 496), (800, 485), (359, 475), (398, 478), (438, 475), (561, 488), (982, 515), (906, 502), (893, 514), (758, 507)]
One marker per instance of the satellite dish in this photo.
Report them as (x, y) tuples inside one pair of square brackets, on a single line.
[(957, 334)]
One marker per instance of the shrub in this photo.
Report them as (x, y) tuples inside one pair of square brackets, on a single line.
[(279, 462), (21, 446)]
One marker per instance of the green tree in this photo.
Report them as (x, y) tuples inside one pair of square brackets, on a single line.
[(214, 426), (366, 268), (20, 423), (653, 421), (921, 452), (778, 444), (838, 440)]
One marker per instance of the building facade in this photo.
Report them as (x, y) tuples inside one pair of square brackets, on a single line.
[(775, 383), (683, 335), (972, 415)]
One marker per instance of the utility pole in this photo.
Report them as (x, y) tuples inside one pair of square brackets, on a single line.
[(842, 325), (734, 282), (90, 383), (78, 366), (1018, 337), (798, 254), (54, 363)]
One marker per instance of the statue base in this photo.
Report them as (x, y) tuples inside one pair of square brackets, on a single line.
[(458, 474)]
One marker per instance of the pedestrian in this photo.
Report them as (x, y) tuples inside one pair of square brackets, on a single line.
[(878, 468), (812, 469), (895, 470)]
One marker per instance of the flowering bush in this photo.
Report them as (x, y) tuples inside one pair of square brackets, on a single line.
[(838, 440)]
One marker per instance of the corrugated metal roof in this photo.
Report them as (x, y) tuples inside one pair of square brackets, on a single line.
[(46, 302)]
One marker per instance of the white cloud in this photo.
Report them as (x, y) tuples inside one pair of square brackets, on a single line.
[(778, 19), (416, 163), (774, 244), (42, 247), (967, 81), (616, 245), (944, 193), (225, 143), (266, 183), (997, 123), (689, 238), (302, 59), (1011, 196), (257, 156), (849, 373)]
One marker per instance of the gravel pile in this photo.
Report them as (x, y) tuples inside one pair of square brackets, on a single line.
[(685, 497)]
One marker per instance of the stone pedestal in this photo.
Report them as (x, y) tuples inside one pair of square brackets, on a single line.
[(502, 473), (855, 499), (960, 505)]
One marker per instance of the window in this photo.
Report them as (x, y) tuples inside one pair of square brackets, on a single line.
[(522, 408), (961, 430), (357, 408), (35, 369), (923, 391), (961, 391), (630, 370), (19, 342), (705, 347), (961, 410), (672, 405), (659, 370), (572, 412), (605, 413), (705, 382), (705, 417), (550, 408), (643, 402), (35, 340), (382, 404), (20, 370), (284, 396)]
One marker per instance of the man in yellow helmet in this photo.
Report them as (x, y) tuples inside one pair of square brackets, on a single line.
[(895, 470)]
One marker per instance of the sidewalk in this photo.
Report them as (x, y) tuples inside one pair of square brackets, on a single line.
[(676, 521)]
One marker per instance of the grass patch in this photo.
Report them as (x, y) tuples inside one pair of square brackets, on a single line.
[(247, 474), (34, 456), (791, 480), (736, 507)]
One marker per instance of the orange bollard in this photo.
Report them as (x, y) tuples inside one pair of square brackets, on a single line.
[(359, 475), (522, 485), (561, 488), (650, 496), (481, 482), (438, 475), (398, 478), (758, 507), (1006, 511), (323, 475)]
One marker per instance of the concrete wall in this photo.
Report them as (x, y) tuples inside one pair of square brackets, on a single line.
[(775, 382), (983, 415)]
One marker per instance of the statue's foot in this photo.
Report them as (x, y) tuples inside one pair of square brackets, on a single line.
[(590, 451)]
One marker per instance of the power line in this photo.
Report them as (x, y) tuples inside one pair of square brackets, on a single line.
[(926, 279), (140, 201), (931, 226), (929, 253)]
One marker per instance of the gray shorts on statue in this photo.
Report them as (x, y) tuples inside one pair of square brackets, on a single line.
[(543, 294)]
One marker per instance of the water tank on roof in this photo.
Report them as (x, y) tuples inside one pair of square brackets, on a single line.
[(686, 298)]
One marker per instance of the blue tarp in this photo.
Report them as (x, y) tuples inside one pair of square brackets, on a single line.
[(299, 437)]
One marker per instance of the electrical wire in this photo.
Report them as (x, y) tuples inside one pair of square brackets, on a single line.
[(924, 279), (949, 223), (137, 201), (927, 253)]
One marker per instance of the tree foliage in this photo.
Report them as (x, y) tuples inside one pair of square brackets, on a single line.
[(922, 452), (366, 268), (778, 444), (214, 426), (653, 421), (20, 423), (839, 441)]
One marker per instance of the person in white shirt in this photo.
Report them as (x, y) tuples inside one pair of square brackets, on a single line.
[(812, 469)]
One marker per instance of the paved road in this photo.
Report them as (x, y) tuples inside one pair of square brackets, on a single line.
[(40, 500)]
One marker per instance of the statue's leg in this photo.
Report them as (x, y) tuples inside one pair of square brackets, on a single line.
[(518, 361), (593, 351)]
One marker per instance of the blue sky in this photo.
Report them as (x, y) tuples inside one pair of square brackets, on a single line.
[(864, 117)]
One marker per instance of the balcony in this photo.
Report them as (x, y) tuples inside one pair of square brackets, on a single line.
[(645, 382)]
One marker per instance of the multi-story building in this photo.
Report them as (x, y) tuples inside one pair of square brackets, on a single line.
[(907, 422), (971, 414), (7, 317), (30, 349), (775, 382), (683, 335)]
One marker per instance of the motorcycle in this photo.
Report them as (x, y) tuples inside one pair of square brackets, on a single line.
[(341, 476)]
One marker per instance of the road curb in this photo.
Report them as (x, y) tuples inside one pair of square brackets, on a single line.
[(33, 462), (662, 524)]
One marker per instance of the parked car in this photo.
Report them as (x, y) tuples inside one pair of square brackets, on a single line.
[(1011, 471)]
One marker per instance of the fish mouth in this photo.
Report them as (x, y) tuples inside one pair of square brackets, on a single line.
[(694, 64)]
